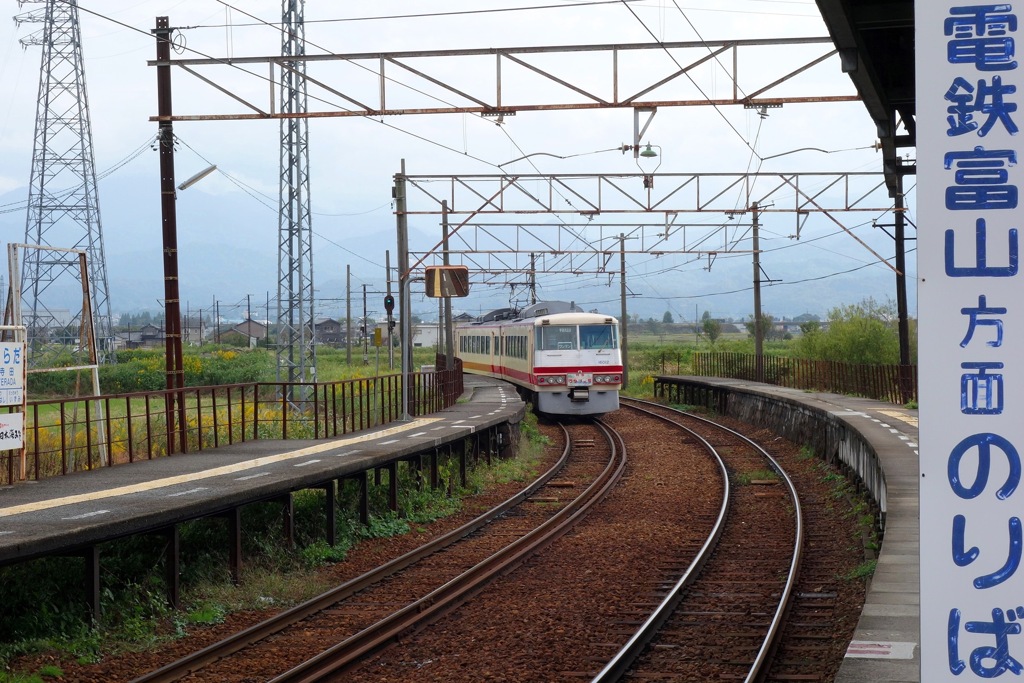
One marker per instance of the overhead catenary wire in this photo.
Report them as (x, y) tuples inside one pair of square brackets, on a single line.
[(426, 15), (752, 146)]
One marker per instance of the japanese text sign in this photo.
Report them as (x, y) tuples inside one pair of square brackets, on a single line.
[(971, 321), (12, 373)]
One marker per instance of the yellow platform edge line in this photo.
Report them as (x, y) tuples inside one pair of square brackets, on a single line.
[(215, 472)]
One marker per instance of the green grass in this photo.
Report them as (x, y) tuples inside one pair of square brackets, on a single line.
[(745, 478), (864, 570)]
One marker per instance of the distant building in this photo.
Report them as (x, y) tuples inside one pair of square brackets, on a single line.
[(193, 331), (329, 332), (424, 335), (251, 330), (150, 336)]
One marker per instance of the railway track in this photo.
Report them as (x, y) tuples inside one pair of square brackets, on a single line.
[(373, 610), (640, 571), (722, 619)]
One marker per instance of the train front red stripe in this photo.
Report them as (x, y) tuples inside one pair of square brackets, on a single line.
[(603, 369)]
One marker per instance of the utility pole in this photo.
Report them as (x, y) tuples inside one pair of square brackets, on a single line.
[(449, 343), (623, 315), (348, 314), (391, 317), (174, 363), (532, 279), (366, 330), (903, 324), (758, 332), (905, 381), (404, 299)]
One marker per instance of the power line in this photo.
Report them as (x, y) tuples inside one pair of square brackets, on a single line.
[(680, 67), (424, 15)]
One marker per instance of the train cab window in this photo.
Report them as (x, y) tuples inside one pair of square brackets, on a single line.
[(598, 337), (556, 338)]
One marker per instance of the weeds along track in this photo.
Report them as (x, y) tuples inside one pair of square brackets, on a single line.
[(334, 630)]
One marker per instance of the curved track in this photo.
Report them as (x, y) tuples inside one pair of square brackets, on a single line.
[(723, 617)]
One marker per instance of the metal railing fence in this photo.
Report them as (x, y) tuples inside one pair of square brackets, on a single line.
[(893, 383), (66, 435)]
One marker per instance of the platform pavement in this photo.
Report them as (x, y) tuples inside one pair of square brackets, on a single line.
[(886, 643), (60, 514)]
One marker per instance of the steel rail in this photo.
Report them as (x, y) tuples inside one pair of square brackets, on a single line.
[(212, 653), (619, 664), (458, 590), (627, 656)]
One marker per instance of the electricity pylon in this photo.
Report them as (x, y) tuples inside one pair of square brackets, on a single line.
[(296, 349), (63, 205)]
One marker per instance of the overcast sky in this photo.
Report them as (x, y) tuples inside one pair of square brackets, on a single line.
[(353, 160)]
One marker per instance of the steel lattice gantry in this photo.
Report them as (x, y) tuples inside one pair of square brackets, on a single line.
[(760, 73), (296, 351), (63, 204), (500, 220)]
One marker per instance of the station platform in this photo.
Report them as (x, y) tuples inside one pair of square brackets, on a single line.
[(66, 514), (62, 515), (880, 440)]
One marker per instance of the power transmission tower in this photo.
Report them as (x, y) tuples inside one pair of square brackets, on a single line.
[(296, 349), (63, 205)]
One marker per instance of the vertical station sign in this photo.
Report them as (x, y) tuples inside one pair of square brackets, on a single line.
[(12, 393), (971, 332)]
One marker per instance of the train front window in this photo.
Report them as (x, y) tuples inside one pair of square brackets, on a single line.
[(598, 337), (556, 338)]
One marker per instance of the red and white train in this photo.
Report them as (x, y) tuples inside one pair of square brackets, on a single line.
[(565, 361)]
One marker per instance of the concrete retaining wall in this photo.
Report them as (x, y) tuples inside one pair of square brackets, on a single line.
[(802, 419)]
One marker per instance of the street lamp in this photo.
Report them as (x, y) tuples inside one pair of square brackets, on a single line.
[(646, 153), (197, 177)]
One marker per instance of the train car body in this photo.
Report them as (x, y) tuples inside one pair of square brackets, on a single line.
[(566, 363)]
